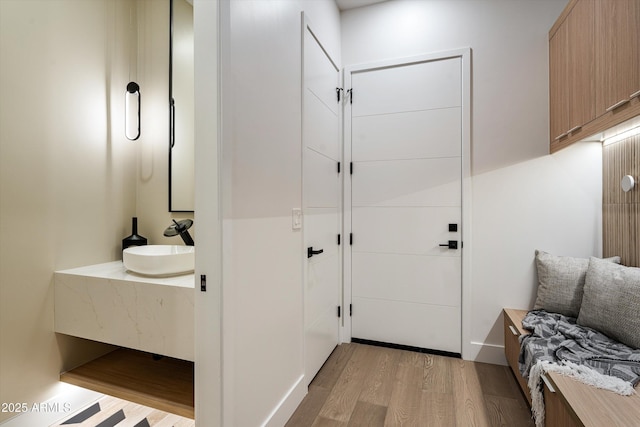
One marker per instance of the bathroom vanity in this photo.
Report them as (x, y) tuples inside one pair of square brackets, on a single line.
[(106, 303)]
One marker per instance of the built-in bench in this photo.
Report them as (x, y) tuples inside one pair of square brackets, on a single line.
[(570, 403)]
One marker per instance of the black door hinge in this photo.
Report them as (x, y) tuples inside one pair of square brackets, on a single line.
[(350, 310), (338, 239), (338, 90), (351, 238), (338, 167), (203, 283), (350, 168), (339, 311)]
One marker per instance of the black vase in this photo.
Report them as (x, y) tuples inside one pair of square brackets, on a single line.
[(134, 239)]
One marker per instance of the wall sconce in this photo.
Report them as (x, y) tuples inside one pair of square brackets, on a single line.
[(132, 111), (627, 183)]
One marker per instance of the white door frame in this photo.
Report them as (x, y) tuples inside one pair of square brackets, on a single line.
[(208, 304), (465, 56)]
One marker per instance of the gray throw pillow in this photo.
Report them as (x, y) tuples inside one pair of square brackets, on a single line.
[(611, 302), (561, 282)]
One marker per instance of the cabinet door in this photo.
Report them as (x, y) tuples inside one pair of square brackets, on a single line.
[(581, 66), (558, 89), (572, 89), (618, 54)]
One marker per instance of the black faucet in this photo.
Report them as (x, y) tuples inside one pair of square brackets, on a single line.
[(180, 227)]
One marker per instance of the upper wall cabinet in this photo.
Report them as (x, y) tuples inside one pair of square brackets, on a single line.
[(618, 66), (594, 62)]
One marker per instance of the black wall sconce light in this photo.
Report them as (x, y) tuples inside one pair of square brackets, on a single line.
[(132, 111)]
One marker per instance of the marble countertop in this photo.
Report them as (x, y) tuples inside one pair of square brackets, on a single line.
[(106, 303), (115, 270)]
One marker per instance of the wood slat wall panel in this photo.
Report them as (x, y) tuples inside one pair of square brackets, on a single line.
[(620, 210)]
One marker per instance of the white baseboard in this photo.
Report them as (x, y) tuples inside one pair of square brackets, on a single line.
[(486, 353), (287, 406), (71, 399)]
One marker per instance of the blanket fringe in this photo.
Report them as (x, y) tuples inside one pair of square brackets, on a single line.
[(581, 373)]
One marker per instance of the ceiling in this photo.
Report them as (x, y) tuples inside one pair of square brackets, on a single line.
[(352, 4)]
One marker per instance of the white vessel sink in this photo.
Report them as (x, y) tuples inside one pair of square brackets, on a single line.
[(159, 260)]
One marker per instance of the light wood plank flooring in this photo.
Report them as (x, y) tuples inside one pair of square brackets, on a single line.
[(111, 411), (165, 384), (368, 386)]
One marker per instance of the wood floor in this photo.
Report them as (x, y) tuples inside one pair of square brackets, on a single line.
[(359, 385), (368, 386), (165, 384), (110, 411)]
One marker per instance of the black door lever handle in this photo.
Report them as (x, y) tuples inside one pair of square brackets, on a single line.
[(311, 252), (453, 244)]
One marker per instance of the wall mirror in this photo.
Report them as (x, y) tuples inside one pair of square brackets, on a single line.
[(181, 92)]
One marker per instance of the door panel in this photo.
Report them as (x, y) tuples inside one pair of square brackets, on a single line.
[(321, 194), (404, 230), (406, 189), (325, 122), (420, 182), (407, 323), (321, 230), (412, 87), (320, 73), (415, 278), (322, 270), (324, 189), (320, 340), (402, 135)]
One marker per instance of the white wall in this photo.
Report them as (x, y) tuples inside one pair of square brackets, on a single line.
[(67, 173), (523, 199), (261, 183)]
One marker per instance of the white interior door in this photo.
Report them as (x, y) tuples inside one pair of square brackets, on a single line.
[(321, 203), (406, 198)]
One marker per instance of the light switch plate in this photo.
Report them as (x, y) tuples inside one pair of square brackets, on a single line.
[(296, 214)]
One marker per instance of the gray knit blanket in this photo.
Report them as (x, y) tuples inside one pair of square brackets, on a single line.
[(557, 339)]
